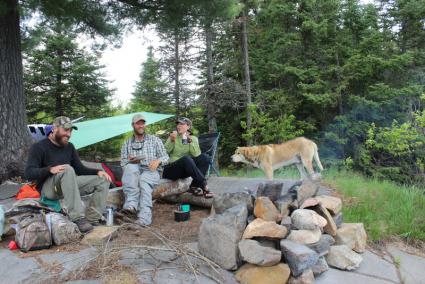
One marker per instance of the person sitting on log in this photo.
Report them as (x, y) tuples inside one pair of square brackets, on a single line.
[(186, 159), (142, 155)]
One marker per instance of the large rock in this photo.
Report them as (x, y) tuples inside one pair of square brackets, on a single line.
[(222, 202), (342, 257), (338, 219), (305, 219), (252, 274), (253, 252), (352, 235), (220, 234), (307, 189), (266, 229), (309, 202), (265, 209), (307, 277), (284, 205), (278, 190), (287, 222), (320, 266), (305, 236), (333, 204), (299, 257), (323, 245), (330, 227), (324, 191)]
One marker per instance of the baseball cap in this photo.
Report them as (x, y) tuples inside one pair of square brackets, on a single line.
[(65, 122), (184, 120), (137, 117)]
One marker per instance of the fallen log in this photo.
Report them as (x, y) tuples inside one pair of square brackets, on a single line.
[(189, 198), (163, 189)]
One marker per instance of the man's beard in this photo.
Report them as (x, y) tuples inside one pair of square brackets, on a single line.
[(61, 139), (139, 132)]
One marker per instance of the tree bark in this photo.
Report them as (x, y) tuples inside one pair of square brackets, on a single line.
[(176, 72), (246, 67), (58, 92), (14, 136), (211, 109)]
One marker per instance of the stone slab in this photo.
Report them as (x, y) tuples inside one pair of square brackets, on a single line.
[(100, 235), (335, 276), (373, 264), (412, 267)]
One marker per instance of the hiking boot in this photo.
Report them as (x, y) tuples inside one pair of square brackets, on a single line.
[(83, 225), (99, 222)]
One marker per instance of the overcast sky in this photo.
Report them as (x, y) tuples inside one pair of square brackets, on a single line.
[(123, 64)]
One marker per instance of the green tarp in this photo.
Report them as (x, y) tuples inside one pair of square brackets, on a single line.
[(96, 130)]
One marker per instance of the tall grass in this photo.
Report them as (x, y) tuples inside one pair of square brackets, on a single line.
[(385, 208)]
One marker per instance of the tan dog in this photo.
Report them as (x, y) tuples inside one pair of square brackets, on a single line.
[(299, 151)]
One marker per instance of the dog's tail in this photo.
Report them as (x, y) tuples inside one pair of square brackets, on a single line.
[(316, 157)]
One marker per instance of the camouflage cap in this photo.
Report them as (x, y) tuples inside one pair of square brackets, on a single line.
[(65, 122), (137, 117)]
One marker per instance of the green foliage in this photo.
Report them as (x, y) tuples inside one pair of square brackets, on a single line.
[(151, 90), (283, 128), (395, 153), (385, 208), (63, 79)]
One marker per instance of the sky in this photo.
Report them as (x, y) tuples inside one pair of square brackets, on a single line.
[(123, 64)]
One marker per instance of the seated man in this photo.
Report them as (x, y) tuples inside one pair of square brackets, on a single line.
[(186, 159), (55, 166), (141, 156)]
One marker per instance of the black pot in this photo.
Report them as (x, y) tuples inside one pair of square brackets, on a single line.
[(180, 216)]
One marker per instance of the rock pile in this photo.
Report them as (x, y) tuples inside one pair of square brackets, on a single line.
[(288, 233)]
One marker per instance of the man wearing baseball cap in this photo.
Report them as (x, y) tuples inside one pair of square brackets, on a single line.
[(142, 155), (56, 167)]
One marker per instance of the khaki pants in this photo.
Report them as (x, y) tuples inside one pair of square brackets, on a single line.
[(69, 187)]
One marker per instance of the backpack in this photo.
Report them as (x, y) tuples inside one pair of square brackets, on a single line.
[(32, 233)]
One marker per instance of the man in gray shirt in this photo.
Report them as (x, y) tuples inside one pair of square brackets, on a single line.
[(142, 155)]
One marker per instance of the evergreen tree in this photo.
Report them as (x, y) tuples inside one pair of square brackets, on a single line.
[(63, 79), (151, 90)]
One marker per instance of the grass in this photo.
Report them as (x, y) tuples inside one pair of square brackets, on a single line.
[(386, 209)]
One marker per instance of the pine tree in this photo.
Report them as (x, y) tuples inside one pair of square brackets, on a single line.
[(151, 90), (63, 79)]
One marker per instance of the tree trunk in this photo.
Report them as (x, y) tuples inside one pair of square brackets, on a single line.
[(176, 72), (14, 137), (58, 91), (212, 122), (246, 67)]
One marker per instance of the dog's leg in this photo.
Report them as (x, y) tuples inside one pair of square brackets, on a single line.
[(308, 164), (301, 169), (268, 170)]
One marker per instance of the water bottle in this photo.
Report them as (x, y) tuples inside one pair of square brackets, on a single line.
[(110, 217), (184, 139)]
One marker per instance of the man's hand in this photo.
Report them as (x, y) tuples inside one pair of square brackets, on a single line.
[(154, 165), (57, 169), (133, 160), (173, 136), (104, 175)]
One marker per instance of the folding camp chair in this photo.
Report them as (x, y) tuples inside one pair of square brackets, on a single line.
[(208, 144)]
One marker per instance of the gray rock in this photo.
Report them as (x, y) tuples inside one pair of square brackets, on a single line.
[(277, 190), (299, 257), (307, 277), (323, 245), (342, 257), (306, 219), (220, 234), (268, 243), (338, 219), (320, 266), (287, 222), (307, 189), (253, 252), (324, 191), (222, 202), (283, 205)]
